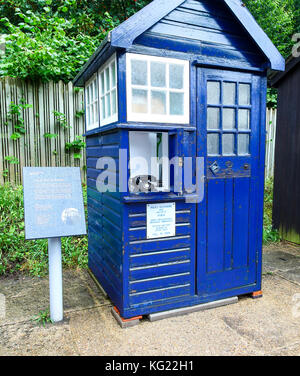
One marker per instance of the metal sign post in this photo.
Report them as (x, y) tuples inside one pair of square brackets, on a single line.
[(55, 279), (53, 205)]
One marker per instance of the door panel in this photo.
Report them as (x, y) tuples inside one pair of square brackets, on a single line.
[(215, 222), (240, 202), (228, 140)]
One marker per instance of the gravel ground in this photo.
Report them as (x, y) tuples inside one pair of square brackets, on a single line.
[(267, 326)]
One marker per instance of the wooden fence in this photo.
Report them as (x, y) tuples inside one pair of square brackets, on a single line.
[(270, 141), (49, 103), (55, 117)]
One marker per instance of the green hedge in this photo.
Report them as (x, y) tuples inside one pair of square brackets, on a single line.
[(18, 255)]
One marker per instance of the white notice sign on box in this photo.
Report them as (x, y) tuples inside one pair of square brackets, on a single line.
[(161, 220)]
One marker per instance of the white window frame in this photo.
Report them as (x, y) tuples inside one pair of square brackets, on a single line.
[(113, 118), (154, 118), (153, 165), (93, 105)]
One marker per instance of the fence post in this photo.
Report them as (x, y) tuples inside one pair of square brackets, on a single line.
[(271, 119)]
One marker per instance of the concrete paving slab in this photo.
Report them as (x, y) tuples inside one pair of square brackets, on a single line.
[(269, 323), (26, 296), (291, 275), (33, 340), (97, 333), (252, 327), (280, 261), (286, 247), (187, 310)]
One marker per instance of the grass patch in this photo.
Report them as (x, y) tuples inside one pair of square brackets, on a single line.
[(31, 257), (42, 318), (269, 234)]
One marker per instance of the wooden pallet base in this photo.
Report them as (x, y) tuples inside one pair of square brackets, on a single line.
[(125, 323), (256, 294)]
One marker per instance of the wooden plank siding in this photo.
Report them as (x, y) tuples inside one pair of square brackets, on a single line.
[(33, 149), (286, 204), (206, 22)]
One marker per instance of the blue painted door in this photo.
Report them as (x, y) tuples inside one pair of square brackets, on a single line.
[(228, 110)]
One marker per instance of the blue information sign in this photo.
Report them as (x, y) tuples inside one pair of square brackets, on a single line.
[(53, 202)]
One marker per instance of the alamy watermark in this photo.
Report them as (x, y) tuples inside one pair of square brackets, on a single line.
[(181, 175), (296, 47), (2, 306)]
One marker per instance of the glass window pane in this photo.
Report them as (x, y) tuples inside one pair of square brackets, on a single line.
[(114, 102), (213, 92), (244, 94), (113, 74), (139, 101), (243, 144), (213, 144), (158, 102), (102, 83), (107, 79), (139, 72), (158, 74), (213, 118), (103, 112), (176, 103), (176, 76), (244, 119), (228, 144), (229, 93), (228, 118), (107, 105)]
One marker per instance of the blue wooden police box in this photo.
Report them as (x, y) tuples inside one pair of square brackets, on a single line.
[(183, 78)]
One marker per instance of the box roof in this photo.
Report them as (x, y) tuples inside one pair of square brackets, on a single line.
[(124, 35)]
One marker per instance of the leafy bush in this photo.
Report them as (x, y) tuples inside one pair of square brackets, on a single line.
[(269, 234), (278, 19), (51, 40), (18, 255), (88, 16), (39, 48), (272, 98)]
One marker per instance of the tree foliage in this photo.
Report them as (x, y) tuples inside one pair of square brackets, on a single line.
[(46, 45), (297, 15), (52, 39), (278, 19)]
